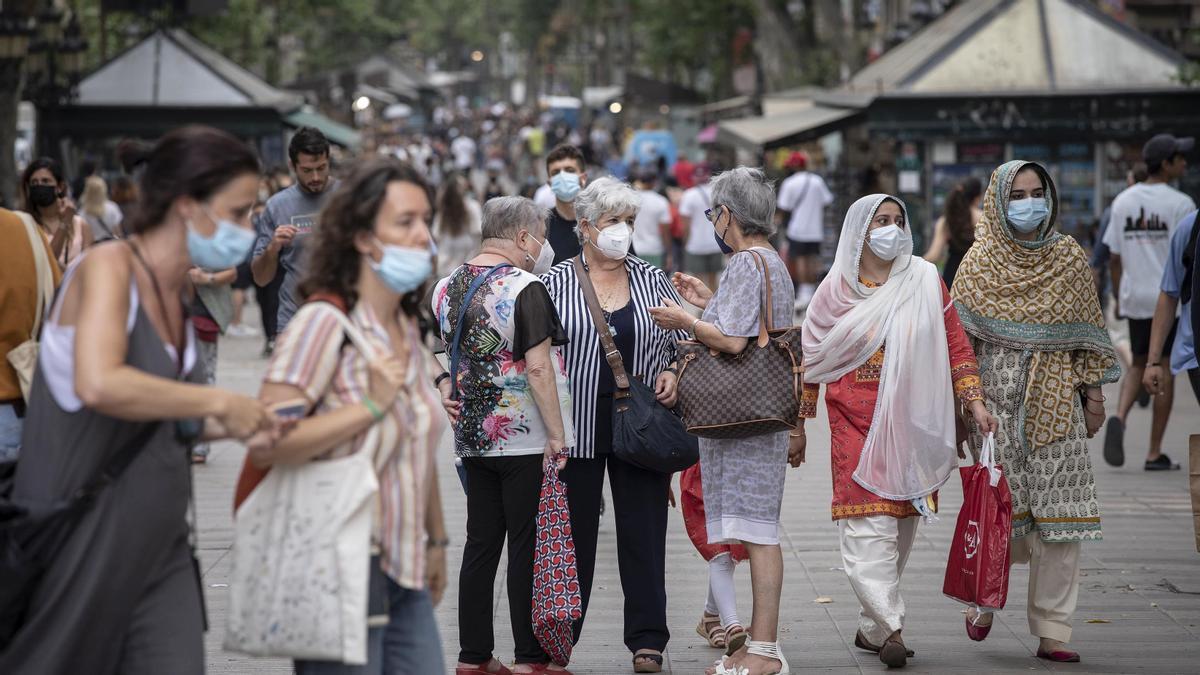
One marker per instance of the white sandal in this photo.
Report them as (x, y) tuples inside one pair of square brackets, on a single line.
[(768, 650)]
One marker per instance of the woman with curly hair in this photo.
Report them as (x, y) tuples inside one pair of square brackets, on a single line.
[(369, 263)]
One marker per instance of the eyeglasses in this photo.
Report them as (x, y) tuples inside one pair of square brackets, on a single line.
[(712, 214)]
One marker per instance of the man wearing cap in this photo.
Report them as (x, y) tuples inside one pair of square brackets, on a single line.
[(1144, 217), (802, 199)]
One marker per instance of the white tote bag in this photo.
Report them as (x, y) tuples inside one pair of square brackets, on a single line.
[(302, 555)]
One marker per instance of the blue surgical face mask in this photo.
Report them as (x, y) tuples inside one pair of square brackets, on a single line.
[(1026, 215), (226, 248), (565, 186), (403, 269)]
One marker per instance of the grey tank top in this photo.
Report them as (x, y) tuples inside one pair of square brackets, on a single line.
[(61, 450)]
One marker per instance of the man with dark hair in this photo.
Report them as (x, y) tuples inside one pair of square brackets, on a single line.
[(1144, 218), (565, 170), (289, 217)]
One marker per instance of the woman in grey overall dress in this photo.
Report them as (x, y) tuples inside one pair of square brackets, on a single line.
[(122, 594)]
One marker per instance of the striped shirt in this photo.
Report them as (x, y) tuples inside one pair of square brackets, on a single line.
[(309, 355), (654, 348)]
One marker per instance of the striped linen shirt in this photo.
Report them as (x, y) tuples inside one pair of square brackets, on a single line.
[(654, 348), (309, 355)]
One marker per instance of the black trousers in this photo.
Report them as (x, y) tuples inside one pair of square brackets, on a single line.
[(268, 303), (1194, 378), (639, 507), (502, 498)]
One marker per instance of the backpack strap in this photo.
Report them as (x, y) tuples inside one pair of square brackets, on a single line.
[(456, 341)]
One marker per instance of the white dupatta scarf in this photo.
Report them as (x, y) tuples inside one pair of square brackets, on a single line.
[(909, 451)]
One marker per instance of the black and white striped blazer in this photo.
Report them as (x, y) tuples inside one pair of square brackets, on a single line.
[(654, 348)]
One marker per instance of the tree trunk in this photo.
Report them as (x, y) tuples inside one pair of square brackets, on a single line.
[(778, 53), (11, 79)]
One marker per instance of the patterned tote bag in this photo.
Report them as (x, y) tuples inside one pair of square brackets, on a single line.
[(556, 600)]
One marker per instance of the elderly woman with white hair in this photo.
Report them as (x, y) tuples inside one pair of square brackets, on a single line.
[(626, 288), (743, 478)]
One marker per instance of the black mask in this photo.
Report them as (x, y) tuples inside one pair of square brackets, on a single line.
[(43, 195)]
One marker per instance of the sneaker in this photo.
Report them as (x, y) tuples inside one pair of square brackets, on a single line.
[(1161, 463), (268, 349), (1114, 442)]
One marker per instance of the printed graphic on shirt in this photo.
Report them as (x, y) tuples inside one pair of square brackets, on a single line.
[(304, 223)]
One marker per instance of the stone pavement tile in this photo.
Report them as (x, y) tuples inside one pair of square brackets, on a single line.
[(1148, 545)]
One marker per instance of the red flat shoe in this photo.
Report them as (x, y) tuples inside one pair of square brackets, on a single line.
[(481, 669), (1059, 655), (975, 631)]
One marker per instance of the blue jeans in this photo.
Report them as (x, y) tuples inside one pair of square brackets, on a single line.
[(408, 644), (10, 433)]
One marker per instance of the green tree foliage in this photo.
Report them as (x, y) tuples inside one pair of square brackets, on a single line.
[(690, 42)]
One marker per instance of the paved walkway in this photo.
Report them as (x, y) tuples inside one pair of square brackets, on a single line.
[(1139, 605)]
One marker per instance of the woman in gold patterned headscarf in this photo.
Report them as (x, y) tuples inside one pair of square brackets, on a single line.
[(1025, 298)]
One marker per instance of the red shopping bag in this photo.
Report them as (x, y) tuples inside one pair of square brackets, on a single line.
[(977, 569), (556, 600), (691, 502)]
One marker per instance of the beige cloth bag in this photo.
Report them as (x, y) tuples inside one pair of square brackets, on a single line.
[(23, 357)]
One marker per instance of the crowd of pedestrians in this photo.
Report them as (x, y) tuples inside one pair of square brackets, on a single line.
[(995, 336)]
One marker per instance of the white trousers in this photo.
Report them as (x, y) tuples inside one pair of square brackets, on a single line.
[(874, 552), (1053, 584)]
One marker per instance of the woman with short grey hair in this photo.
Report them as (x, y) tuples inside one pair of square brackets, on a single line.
[(511, 417), (742, 479), (626, 288)]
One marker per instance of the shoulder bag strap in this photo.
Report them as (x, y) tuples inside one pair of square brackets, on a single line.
[(116, 466), (372, 441), (456, 341), (611, 353), (766, 320), (41, 262)]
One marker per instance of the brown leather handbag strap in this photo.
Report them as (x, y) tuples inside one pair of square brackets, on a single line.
[(611, 353), (766, 320)]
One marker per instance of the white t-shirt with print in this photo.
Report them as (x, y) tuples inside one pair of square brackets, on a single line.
[(805, 195), (654, 212), (692, 205), (1143, 218)]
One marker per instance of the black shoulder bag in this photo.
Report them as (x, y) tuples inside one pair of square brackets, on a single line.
[(645, 433)]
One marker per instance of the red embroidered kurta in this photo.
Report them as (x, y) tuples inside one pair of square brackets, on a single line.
[(851, 405)]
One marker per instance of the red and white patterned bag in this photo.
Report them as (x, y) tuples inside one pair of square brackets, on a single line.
[(556, 600)]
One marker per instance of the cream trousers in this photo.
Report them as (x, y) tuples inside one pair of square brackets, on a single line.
[(1053, 584), (874, 552)]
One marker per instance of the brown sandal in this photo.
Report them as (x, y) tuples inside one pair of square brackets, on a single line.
[(651, 662), (735, 638), (710, 629)]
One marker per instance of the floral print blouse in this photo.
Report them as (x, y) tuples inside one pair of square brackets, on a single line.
[(510, 314)]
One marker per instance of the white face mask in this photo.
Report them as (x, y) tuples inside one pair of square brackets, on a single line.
[(545, 258), (614, 241), (886, 242)]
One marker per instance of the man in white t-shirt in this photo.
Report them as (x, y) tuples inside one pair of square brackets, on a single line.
[(803, 197), (703, 255), (652, 227), (463, 148), (1144, 216)]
